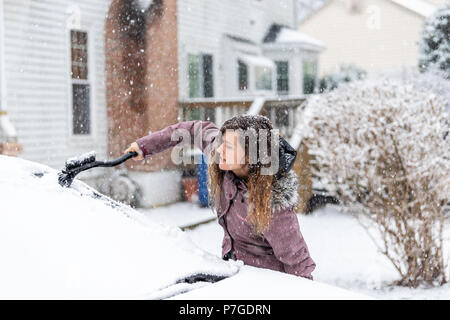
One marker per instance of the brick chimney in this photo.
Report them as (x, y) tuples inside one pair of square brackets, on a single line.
[(141, 74)]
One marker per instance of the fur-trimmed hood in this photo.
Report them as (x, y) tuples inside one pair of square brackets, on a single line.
[(285, 191)]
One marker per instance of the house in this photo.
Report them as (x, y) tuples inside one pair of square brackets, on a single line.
[(375, 35), (205, 60), (52, 58), (96, 75)]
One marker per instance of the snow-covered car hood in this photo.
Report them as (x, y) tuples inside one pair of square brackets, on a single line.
[(252, 283), (74, 243)]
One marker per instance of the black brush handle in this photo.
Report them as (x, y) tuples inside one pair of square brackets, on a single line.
[(87, 166), (119, 160), (65, 178)]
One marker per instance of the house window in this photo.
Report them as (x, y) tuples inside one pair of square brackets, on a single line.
[(282, 117), (242, 75), (208, 81), (282, 77), (193, 76), (199, 113), (263, 78), (81, 119), (309, 76), (191, 113), (200, 75)]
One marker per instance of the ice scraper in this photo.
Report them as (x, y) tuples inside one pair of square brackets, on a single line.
[(87, 161)]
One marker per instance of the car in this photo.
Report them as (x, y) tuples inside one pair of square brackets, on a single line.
[(320, 196), (75, 243)]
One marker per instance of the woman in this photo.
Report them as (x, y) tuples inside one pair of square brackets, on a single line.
[(256, 210)]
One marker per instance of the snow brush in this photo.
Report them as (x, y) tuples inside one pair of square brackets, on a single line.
[(87, 161)]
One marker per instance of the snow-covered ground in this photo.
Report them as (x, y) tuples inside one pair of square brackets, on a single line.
[(345, 255)]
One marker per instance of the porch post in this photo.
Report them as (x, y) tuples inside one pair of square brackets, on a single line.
[(8, 137)]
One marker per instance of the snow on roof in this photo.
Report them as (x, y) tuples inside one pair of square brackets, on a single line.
[(280, 35), (420, 7), (287, 35), (257, 60), (306, 8)]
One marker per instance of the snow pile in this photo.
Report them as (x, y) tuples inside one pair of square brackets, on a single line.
[(74, 243)]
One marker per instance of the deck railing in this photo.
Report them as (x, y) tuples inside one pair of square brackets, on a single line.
[(280, 111)]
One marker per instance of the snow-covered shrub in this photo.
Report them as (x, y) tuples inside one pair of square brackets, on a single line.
[(435, 42), (433, 80), (347, 73), (381, 149)]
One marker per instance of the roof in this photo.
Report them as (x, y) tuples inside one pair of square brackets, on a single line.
[(287, 37), (291, 36), (256, 60), (308, 8), (420, 7)]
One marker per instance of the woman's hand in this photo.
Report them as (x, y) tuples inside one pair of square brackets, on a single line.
[(134, 147)]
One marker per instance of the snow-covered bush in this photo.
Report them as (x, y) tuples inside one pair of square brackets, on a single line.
[(432, 80), (347, 73), (435, 42), (381, 149)]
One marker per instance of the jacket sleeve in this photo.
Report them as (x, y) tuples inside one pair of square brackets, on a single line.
[(200, 133), (288, 244)]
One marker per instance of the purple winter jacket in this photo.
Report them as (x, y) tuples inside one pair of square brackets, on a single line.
[(282, 247)]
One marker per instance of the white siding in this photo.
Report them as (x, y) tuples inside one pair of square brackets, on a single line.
[(203, 23), (37, 59)]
